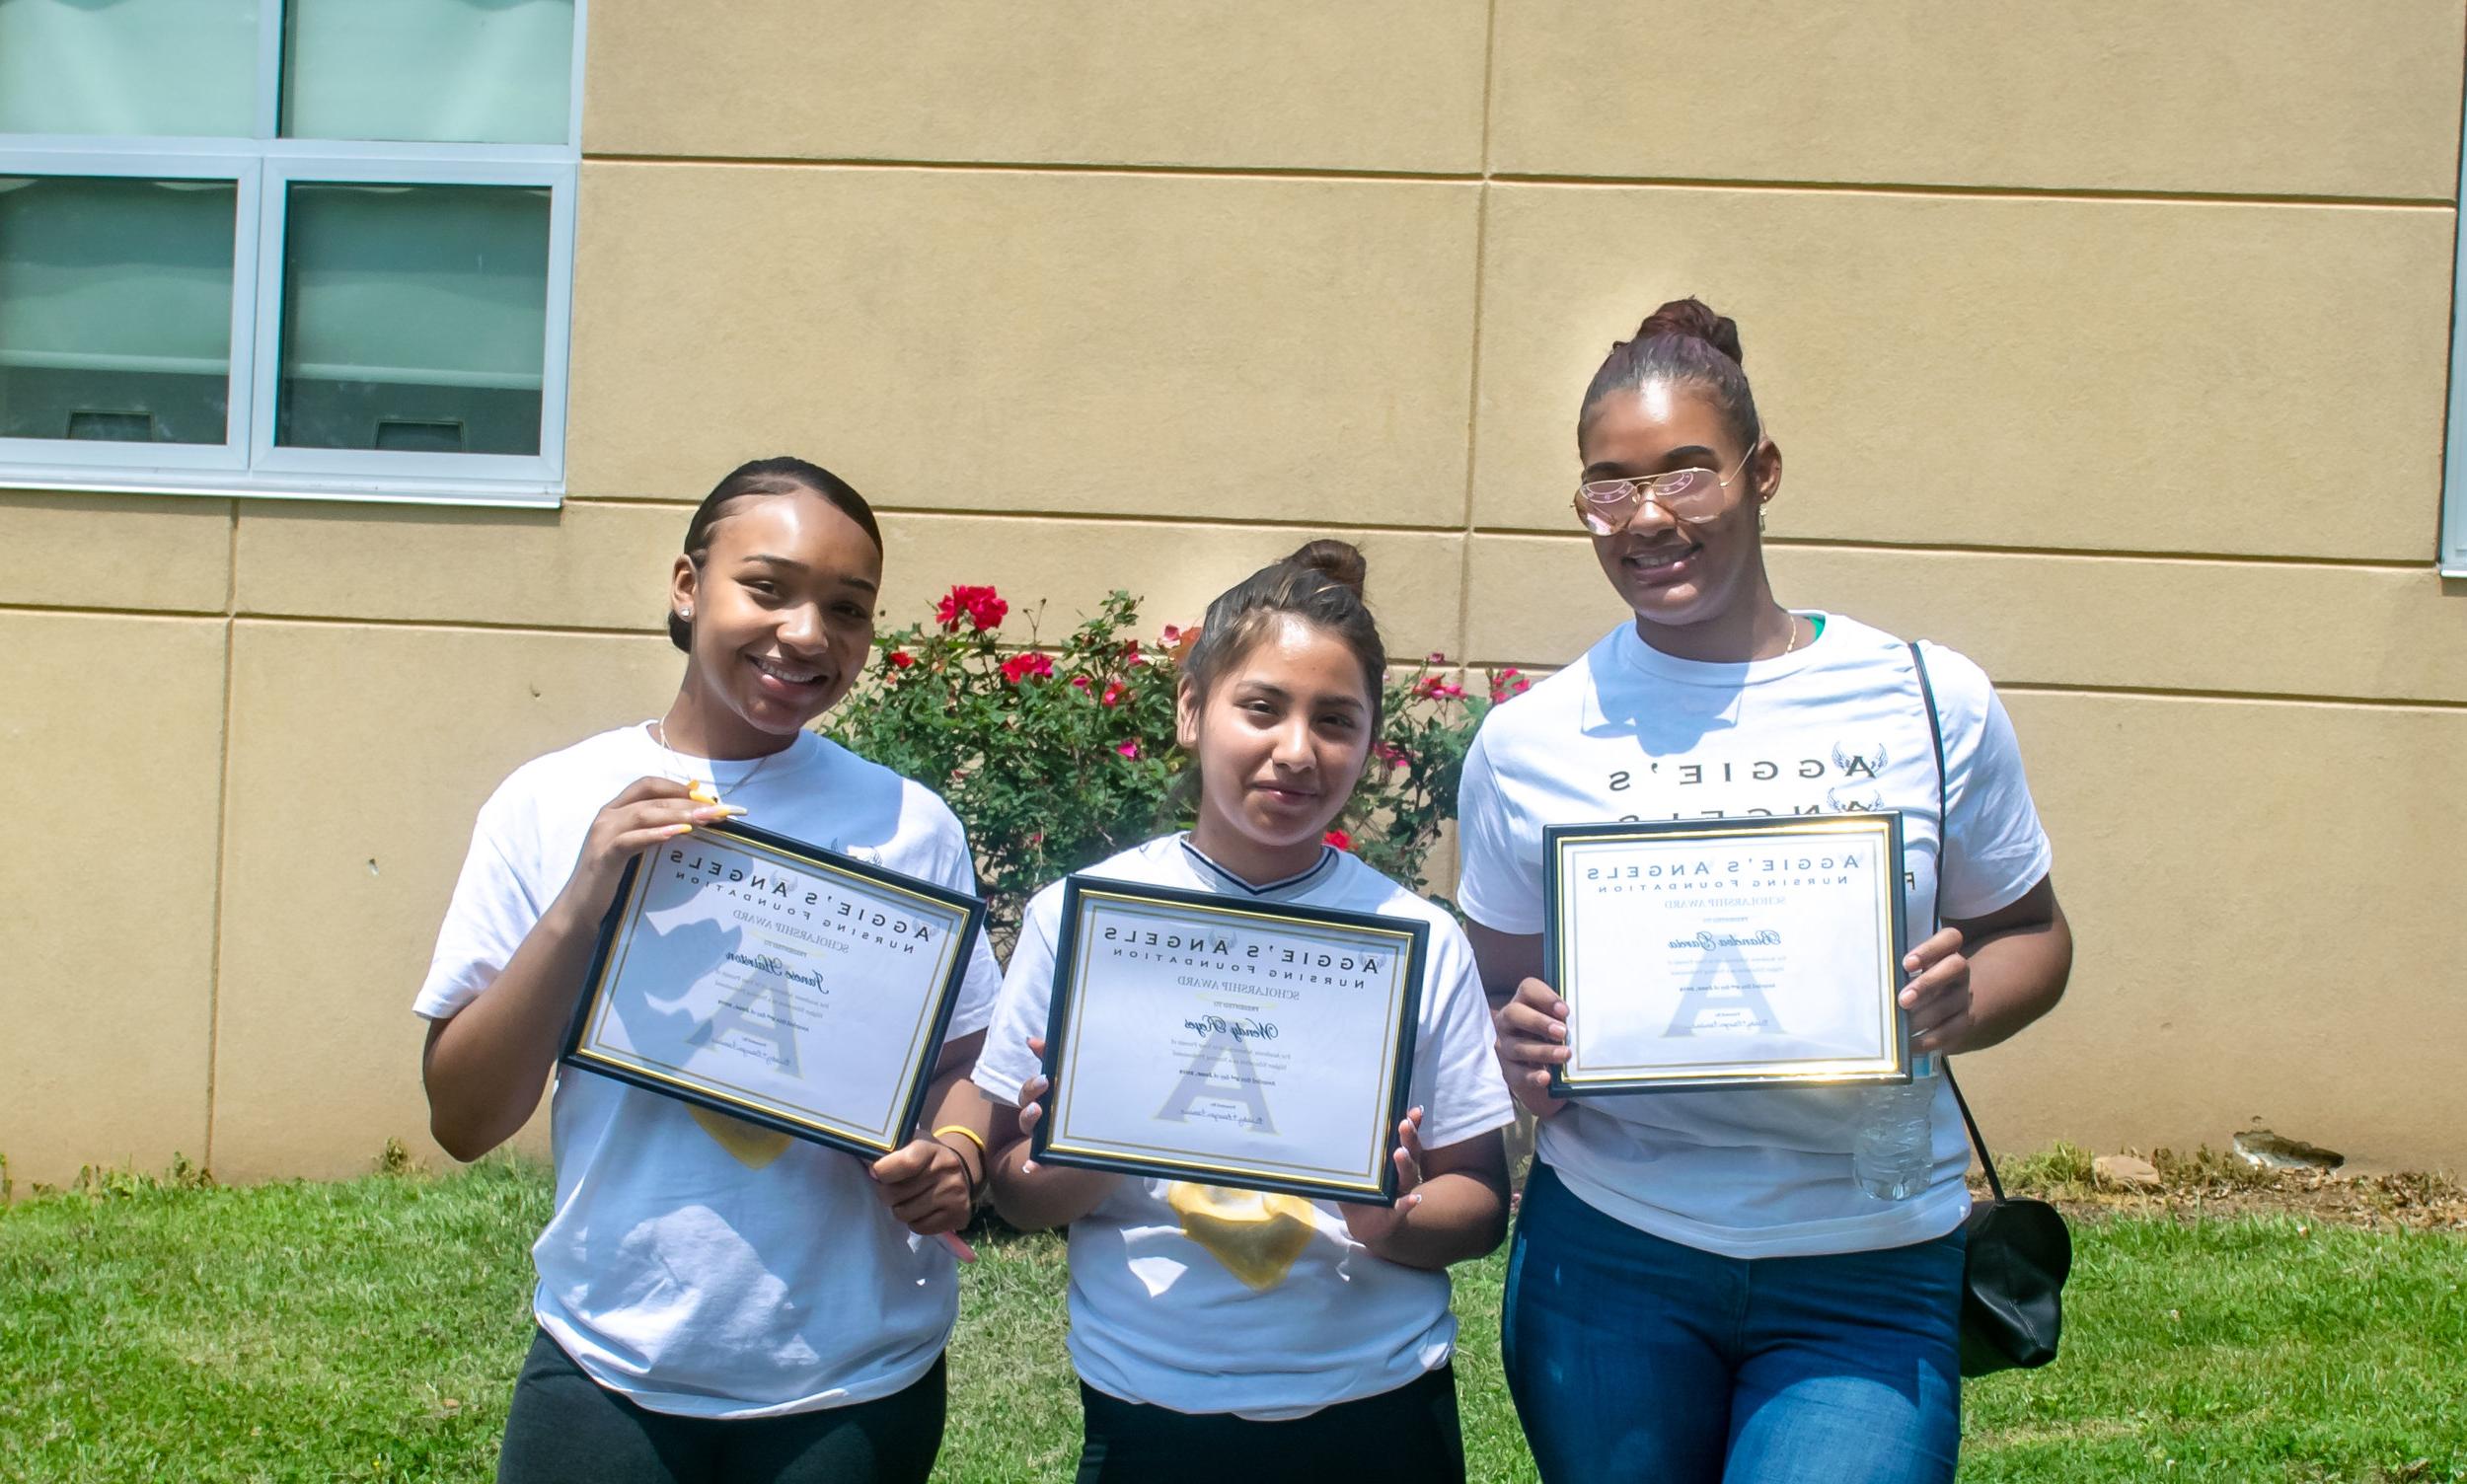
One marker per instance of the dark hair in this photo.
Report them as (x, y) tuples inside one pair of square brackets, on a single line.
[(778, 475), (1321, 585), (1682, 341)]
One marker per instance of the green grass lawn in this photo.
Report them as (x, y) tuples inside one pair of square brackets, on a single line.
[(370, 1330)]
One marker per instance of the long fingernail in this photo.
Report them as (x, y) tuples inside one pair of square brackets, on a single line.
[(675, 830)]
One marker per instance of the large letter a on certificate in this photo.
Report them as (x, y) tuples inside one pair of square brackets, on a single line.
[(1199, 1082)]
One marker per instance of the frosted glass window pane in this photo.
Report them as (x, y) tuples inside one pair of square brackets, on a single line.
[(414, 316), (470, 71), (116, 308), (127, 66)]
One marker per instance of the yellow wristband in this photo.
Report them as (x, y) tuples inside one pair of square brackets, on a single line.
[(964, 1132), (976, 1182)]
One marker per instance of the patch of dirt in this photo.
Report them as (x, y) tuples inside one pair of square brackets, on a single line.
[(2211, 1183)]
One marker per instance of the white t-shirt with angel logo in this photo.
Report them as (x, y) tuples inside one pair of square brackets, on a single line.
[(1630, 733), (1204, 1299), (699, 1265)]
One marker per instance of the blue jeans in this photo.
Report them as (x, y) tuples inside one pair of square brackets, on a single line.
[(1632, 1358)]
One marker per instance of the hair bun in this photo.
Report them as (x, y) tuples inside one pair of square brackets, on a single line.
[(1693, 318), (1340, 561)]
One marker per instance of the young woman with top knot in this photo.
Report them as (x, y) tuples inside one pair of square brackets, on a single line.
[(1698, 1289), (1225, 1336)]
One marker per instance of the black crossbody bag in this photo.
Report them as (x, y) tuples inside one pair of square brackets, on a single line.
[(2019, 1253)]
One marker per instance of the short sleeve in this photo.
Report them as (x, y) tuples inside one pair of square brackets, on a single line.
[(491, 910), (1499, 872), (1019, 1010), (954, 866), (1995, 847), (1456, 1071)]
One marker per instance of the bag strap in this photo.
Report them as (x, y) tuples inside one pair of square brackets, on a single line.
[(1944, 831)]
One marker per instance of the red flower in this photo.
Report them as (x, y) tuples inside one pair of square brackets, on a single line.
[(1434, 688), (1438, 658), (1129, 749), (1078, 682), (1340, 839), (1020, 667), (982, 608), (1114, 692), (1391, 754), (1173, 634), (1131, 650), (899, 659), (1507, 683)]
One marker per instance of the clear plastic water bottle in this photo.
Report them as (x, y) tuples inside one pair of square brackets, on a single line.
[(1894, 1154)]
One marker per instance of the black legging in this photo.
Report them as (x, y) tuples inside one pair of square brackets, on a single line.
[(567, 1429), (1409, 1435)]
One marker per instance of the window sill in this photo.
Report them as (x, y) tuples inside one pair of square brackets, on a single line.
[(493, 493)]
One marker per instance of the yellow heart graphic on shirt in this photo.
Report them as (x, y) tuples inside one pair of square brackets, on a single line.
[(1256, 1235), (753, 1145)]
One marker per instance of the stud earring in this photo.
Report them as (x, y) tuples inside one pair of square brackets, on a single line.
[(687, 613)]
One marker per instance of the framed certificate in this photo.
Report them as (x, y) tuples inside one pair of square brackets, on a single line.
[(1727, 953), (784, 985), (1258, 1045)]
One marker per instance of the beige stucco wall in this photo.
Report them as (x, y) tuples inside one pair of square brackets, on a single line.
[(2107, 342)]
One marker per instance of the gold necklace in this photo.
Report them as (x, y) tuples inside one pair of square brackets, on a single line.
[(696, 788), (1794, 634)]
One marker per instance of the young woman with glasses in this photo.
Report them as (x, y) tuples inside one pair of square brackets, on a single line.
[(1699, 1288)]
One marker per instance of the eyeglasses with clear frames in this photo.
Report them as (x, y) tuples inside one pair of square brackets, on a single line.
[(1685, 495)]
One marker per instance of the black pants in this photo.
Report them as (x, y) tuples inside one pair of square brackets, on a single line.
[(1409, 1433), (567, 1429)]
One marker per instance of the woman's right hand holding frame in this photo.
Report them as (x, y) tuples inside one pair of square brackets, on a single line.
[(1533, 1032)]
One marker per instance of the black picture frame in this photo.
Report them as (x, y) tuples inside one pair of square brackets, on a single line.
[(968, 911), (1408, 936), (1893, 910)]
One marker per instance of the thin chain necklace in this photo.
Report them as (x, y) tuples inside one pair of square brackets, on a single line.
[(1793, 620), (699, 788)]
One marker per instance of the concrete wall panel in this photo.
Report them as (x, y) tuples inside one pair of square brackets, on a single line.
[(2282, 98), (360, 757), (115, 552), (992, 340), (2107, 375), (2274, 628), (112, 728), (1176, 568), (2266, 896), (1389, 84)]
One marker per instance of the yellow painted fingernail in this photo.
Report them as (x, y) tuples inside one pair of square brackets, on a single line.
[(674, 830), (701, 792)]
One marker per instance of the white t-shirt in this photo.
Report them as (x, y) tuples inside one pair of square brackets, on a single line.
[(1277, 1312), (753, 1278), (1629, 733)]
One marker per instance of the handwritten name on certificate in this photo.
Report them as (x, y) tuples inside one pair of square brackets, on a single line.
[(777, 982), (1264, 1046), (1729, 953)]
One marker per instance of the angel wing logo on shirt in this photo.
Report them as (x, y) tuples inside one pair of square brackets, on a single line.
[(1847, 796), (1256, 1234)]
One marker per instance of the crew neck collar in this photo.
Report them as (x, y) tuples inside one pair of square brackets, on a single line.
[(729, 773), (1289, 886), (1633, 651)]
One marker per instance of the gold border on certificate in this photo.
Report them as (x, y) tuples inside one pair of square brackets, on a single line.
[(957, 918), (1061, 1137), (1564, 844)]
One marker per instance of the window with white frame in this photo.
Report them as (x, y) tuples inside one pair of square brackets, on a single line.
[(313, 248)]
